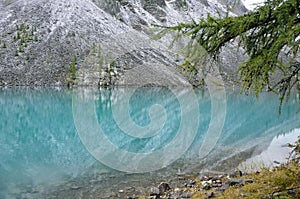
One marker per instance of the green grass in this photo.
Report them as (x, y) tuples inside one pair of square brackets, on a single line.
[(276, 183)]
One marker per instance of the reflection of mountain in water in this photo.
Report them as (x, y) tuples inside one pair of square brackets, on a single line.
[(39, 144), (277, 152)]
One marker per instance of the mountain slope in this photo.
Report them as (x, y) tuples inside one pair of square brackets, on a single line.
[(40, 39)]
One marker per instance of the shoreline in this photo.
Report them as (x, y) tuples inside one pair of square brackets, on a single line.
[(280, 182)]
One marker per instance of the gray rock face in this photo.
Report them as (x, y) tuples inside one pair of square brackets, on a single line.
[(109, 41), (64, 29), (144, 12)]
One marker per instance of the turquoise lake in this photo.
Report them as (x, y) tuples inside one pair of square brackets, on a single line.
[(47, 138)]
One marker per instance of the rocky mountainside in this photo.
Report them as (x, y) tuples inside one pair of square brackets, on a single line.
[(97, 42)]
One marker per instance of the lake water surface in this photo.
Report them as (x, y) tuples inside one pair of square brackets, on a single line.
[(51, 137)]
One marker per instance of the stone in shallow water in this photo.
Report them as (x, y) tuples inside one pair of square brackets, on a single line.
[(154, 191), (75, 187), (206, 185), (163, 187), (191, 183)]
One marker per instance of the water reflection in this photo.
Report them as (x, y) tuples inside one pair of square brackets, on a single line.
[(277, 152), (39, 145), (164, 123)]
